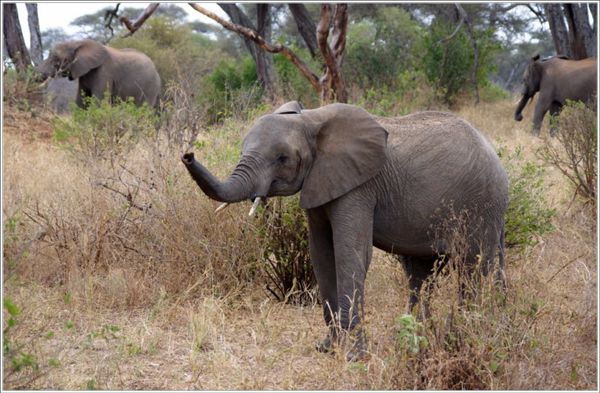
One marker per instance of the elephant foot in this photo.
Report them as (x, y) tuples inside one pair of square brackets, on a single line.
[(354, 344), (327, 344), (358, 347)]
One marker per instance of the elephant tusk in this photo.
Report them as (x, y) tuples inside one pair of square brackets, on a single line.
[(254, 206), (221, 207)]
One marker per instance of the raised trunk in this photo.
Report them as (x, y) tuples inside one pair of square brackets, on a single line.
[(236, 188), (520, 106)]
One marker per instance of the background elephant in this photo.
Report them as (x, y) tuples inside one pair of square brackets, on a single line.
[(361, 186), (123, 72), (557, 79)]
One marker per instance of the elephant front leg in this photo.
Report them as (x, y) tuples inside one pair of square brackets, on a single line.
[(323, 262), (352, 227)]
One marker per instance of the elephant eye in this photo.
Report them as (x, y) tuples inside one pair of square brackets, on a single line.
[(282, 159)]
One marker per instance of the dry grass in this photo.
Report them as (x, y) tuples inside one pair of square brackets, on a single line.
[(171, 296)]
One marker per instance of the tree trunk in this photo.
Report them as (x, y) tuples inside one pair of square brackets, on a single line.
[(263, 61), (239, 18), (306, 27), (575, 40), (558, 28), (13, 38), (581, 34), (35, 42)]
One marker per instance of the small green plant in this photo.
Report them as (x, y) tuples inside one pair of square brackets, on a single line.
[(528, 215), (408, 337), (11, 350), (284, 232), (104, 129)]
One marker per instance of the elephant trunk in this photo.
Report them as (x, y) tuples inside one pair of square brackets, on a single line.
[(236, 188), (520, 106)]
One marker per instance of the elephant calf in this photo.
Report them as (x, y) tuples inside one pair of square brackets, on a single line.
[(557, 80), (364, 181), (123, 73)]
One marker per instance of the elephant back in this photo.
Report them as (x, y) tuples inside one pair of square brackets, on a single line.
[(444, 157)]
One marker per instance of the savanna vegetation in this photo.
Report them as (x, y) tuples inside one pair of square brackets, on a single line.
[(118, 274)]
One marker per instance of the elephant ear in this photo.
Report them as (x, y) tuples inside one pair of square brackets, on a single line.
[(350, 148), (289, 108), (88, 55)]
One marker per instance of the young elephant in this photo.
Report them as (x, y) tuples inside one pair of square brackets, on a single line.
[(123, 73), (364, 181), (557, 80)]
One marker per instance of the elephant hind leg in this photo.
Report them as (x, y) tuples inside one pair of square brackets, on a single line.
[(419, 270)]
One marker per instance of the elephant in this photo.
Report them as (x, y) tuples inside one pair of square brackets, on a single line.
[(369, 181), (557, 79), (123, 73)]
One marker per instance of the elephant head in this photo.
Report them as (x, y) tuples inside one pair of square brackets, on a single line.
[(324, 153), (73, 59), (531, 84)]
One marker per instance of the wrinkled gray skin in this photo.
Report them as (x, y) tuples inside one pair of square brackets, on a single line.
[(556, 79), (361, 186), (98, 68)]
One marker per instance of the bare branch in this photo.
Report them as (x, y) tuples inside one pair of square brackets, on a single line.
[(455, 32), (136, 24), (108, 18), (539, 14), (262, 43)]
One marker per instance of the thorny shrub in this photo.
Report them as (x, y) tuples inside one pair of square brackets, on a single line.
[(124, 231), (284, 235), (574, 150), (528, 215)]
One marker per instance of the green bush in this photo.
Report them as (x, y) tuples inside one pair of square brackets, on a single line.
[(448, 63), (231, 88), (290, 82), (103, 129), (378, 49), (528, 215), (284, 233)]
